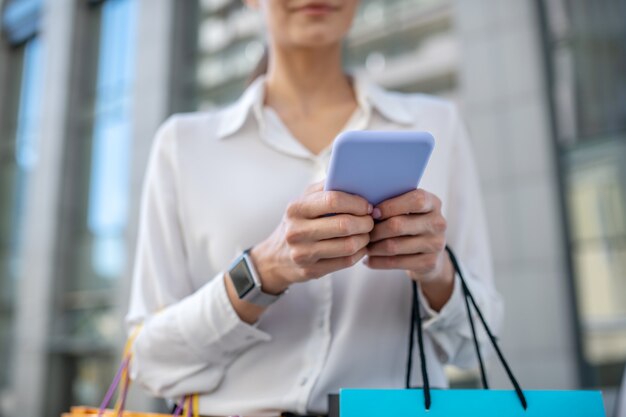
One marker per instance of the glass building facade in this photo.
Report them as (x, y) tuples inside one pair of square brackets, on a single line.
[(586, 50)]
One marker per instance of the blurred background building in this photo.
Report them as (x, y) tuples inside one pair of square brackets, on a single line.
[(84, 84)]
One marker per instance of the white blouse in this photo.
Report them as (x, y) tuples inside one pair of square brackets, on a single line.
[(217, 183)]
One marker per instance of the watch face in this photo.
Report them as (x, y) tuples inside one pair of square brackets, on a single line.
[(242, 278)]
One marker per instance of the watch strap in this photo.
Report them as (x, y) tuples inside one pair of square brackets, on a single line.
[(261, 298), (256, 295)]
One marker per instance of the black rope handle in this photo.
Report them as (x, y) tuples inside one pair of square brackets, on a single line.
[(416, 321), (483, 373), (492, 338), (409, 357)]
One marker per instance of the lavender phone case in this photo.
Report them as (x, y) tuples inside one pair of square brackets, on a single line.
[(378, 165)]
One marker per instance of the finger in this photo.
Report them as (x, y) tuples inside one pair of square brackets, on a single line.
[(330, 202), (406, 225), (416, 202), (406, 245), (329, 227), (340, 247), (328, 249), (419, 262), (326, 266)]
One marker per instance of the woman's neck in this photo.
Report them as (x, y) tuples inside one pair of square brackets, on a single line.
[(306, 78)]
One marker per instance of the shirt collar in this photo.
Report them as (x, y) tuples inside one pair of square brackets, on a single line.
[(235, 115), (389, 104)]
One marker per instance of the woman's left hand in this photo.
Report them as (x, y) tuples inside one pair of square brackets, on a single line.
[(410, 235)]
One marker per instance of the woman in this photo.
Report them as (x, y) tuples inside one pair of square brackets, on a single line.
[(335, 299)]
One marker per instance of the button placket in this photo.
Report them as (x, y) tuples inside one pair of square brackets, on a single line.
[(322, 333)]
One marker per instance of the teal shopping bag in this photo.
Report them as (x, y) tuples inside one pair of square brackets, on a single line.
[(469, 403), (412, 402)]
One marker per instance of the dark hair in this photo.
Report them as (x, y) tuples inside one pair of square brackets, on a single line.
[(260, 68)]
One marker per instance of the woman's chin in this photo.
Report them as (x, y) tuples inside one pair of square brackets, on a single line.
[(316, 37)]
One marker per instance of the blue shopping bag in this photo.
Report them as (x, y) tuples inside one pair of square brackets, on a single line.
[(412, 402), (469, 403)]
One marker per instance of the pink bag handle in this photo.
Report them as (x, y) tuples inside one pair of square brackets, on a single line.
[(122, 373)]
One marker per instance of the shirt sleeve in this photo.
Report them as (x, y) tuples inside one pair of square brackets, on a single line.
[(189, 336), (468, 238)]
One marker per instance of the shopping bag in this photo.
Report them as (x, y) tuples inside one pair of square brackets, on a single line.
[(469, 403), (187, 407), (414, 402)]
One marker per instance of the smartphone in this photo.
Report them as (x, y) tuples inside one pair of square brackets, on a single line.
[(378, 165)]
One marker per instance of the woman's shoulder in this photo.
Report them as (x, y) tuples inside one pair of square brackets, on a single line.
[(427, 108), (190, 125), (186, 133)]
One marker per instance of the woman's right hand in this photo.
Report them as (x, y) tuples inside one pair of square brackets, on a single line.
[(308, 244)]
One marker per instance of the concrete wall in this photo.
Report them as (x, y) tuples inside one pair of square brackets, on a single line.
[(502, 90)]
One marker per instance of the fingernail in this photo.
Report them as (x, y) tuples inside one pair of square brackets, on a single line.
[(376, 213), (369, 208)]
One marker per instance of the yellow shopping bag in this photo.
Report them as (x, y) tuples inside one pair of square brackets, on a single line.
[(81, 411)]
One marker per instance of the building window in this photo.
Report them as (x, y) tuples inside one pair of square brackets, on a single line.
[(20, 20), (587, 68), (588, 49), (597, 204), (108, 199)]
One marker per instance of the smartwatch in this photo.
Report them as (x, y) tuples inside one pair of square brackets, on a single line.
[(247, 283)]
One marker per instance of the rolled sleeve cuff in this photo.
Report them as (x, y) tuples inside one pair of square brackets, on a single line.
[(451, 314), (209, 320)]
